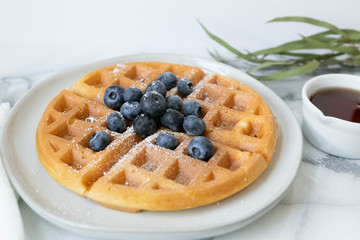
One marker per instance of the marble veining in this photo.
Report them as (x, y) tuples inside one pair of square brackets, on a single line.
[(336, 164)]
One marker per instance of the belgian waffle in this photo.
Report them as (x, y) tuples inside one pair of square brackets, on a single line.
[(134, 174)]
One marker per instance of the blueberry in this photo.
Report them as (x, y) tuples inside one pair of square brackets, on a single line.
[(133, 94), (192, 108), (173, 120), (116, 122), (144, 126), (168, 79), (156, 86), (194, 125), (201, 148), (174, 102), (99, 141), (167, 140), (114, 97), (185, 87), (131, 110), (153, 104)]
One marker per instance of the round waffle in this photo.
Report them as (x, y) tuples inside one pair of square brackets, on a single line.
[(134, 174)]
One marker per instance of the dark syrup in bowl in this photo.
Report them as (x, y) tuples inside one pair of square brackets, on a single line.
[(338, 102)]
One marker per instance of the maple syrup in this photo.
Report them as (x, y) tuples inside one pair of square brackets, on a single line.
[(338, 102)]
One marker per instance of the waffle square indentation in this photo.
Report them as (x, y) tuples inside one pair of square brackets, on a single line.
[(209, 94), (65, 104), (225, 82), (95, 80), (62, 131), (238, 102), (228, 161), (50, 119), (147, 160), (139, 74), (224, 120), (55, 146), (126, 179), (74, 159), (85, 140), (251, 128), (177, 175)]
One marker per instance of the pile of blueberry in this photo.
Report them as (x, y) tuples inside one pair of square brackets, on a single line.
[(151, 109)]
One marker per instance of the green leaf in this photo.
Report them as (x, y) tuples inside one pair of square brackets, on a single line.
[(309, 67), (356, 57), (268, 64), (308, 56), (294, 45), (312, 21), (219, 58), (354, 61), (329, 62), (226, 45), (216, 56), (353, 34), (320, 58), (325, 45), (306, 43), (342, 45)]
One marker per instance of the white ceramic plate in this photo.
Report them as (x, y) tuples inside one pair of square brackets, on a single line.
[(75, 213)]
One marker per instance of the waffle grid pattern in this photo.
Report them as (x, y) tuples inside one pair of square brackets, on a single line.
[(134, 173)]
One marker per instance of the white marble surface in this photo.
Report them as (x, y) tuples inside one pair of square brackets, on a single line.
[(40, 38)]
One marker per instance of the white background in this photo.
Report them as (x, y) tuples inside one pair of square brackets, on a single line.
[(80, 31)]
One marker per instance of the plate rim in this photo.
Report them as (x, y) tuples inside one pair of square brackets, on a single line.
[(176, 58)]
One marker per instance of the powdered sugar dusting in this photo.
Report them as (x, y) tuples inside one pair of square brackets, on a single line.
[(120, 65), (90, 119), (116, 70), (190, 74)]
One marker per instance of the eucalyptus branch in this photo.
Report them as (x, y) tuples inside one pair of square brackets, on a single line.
[(342, 45)]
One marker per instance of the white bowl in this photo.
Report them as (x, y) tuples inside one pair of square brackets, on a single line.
[(332, 135)]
